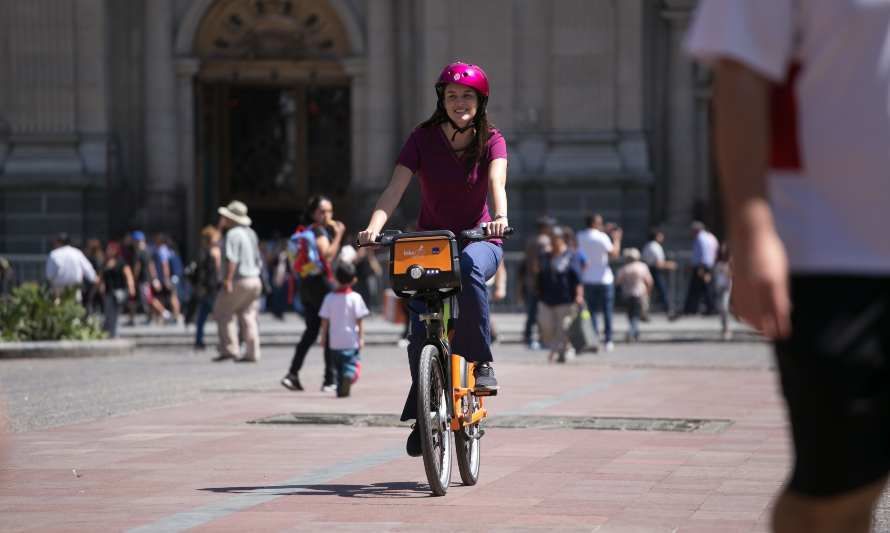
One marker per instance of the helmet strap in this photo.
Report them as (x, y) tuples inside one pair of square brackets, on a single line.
[(458, 129)]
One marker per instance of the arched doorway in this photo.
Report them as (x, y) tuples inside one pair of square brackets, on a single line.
[(273, 109)]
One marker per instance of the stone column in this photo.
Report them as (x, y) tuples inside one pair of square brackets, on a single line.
[(92, 85), (381, 130), (432, 17), (681, 117), (160, 97), (186, 70), (632, 143), (357, 69), (533, 28)]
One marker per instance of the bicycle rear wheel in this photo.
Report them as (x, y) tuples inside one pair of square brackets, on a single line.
[(468, 447), (432, 420)]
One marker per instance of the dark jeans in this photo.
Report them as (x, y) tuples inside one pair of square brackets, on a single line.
[(600, 298), (634, 312), (310, 335), (531, 316), (472, 337), (205, 307), (112, 310), (699, 290), (659, 276)]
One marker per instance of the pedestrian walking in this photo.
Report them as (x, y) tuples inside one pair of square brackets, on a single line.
[(206, 281), (802, 128), (660, 268), (92, 291), (722, 284), (342, 313), (317, 246), (68, 267), (704, 255), (237, 304), (636, 284), (536, 246), (369, 275), (598, 248), (140, 265), (163, 281), (116, 286), (560, 295)]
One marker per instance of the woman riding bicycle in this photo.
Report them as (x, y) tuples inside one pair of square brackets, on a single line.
[(461, 161)]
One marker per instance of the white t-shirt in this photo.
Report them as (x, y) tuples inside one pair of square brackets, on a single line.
[(653, 253), (829, 184), (343, 311), (66, 266), (596, 246)]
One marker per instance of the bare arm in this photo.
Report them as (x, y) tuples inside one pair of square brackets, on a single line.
[(741, 104), (361, 332), (616, 235), (497, 193), (128, 277), (387, 203)]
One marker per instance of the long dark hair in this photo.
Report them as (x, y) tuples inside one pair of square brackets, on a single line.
[(476, 150), (312, 206)]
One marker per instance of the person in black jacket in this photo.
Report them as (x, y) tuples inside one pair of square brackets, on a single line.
[(560, 294)]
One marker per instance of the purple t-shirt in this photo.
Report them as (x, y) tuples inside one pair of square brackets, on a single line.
[(451, 198)]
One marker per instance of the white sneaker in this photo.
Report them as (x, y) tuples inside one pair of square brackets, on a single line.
[(610, 346), (403, 343), (328, 388)]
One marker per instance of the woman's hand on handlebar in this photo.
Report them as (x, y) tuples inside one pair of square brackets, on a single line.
[(368, 236), (497, 227)]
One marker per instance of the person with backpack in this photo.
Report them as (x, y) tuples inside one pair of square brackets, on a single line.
[(241, 286), (317, 244)]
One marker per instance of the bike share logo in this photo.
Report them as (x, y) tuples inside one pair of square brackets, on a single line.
[(412, 252)]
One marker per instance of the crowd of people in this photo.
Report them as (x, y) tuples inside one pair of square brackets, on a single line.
[(568, 275)]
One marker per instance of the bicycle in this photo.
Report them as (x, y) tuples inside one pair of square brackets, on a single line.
[(425, 267)]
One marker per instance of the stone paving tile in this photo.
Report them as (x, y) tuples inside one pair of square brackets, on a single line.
[(147, 466)]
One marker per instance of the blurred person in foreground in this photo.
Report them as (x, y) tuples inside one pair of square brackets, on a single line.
[(802, 137)]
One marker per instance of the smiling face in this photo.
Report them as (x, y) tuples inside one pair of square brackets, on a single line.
[(461, 103)]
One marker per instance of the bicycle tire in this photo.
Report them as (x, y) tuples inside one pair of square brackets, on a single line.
[(436, 438), (469, 451)]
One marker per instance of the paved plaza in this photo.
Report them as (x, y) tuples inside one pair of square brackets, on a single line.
[(165, 440)]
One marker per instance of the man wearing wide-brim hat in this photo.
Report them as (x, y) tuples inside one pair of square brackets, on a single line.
[(237, 304)]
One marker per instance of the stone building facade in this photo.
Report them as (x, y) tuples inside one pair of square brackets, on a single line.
[(118, 114)]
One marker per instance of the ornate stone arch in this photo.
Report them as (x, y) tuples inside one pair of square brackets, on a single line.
[(310, 22)]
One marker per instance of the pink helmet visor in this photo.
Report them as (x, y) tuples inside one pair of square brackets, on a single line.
[(464, 74)]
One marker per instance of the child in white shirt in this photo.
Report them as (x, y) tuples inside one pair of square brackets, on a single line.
[(341, 315)]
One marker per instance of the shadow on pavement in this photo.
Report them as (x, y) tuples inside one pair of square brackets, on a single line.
[(395, 489)]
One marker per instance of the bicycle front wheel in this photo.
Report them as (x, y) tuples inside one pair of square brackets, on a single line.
[(432, 420), (468, 447)]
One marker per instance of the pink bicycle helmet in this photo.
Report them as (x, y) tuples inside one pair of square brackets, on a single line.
[(464, 74)]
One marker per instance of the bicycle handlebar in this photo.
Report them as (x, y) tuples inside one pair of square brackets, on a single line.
[(475, 234)]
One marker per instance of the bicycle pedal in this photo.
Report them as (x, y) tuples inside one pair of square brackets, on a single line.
[(479, 434), (485, 392)]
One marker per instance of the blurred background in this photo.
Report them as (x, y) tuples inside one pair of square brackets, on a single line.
[(118, 115)]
